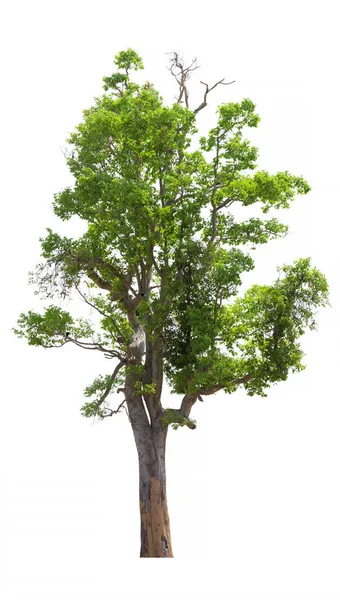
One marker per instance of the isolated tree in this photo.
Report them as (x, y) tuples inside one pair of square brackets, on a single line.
[(161, 262)]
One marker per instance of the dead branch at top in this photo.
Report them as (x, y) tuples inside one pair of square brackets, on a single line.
[(209, 89), (182, 75)]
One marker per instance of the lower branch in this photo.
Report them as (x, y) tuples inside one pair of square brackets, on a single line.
[(174, 417), (187, 404), (181, 416), (178, 417), (217, 388), (108, 352), (111, 412)]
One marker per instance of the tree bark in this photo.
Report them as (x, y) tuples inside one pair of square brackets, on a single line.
[(145, 412), (150, 439), (155, 524)]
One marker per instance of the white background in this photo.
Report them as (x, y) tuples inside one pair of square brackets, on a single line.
[(254, 492)]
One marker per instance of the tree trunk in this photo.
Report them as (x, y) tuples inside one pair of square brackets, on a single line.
[(145, 412), (155, 525), (150, 437)]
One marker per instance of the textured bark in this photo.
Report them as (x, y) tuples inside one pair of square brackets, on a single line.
[(155, 524), (150, 441), (150, 437)]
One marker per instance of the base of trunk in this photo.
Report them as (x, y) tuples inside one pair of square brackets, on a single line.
[(155, 525)]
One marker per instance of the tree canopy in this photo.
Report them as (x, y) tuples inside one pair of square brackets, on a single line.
[(163, 255)]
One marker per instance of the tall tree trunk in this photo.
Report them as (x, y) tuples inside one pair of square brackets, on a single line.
[(155, 525), (150, 437)]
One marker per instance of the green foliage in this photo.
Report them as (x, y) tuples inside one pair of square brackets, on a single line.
[(100, 384), (262, 328), (50, 328), (176, 420), (273, 191), (147, 388), (258, 334), (138, 370), (126, 60), (161, 237), (253, 231), (93, 409), (101, 387)]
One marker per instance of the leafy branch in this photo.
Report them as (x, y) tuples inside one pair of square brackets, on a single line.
[(99, 407)]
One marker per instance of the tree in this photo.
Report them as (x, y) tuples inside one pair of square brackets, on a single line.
[(161, 263)]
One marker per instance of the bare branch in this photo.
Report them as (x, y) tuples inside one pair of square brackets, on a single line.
[(187, 404), (54, 345), (95, 346), (112, 412), (182, 75), (207, 90)]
